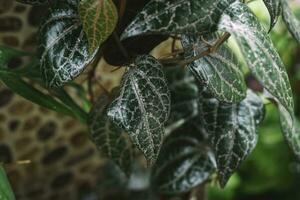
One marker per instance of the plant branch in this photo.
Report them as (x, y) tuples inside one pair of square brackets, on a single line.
[(182, 62)]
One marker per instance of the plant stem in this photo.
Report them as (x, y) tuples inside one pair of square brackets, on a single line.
[(182, 62)]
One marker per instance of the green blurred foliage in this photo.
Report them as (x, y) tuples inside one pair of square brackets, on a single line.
[(271, 172)]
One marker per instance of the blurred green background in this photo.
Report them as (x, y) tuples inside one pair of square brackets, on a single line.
[(271, 172)]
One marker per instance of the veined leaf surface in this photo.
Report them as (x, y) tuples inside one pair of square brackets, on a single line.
[(219, 71), (177, 17), (143, 105), (99, 19), (63, 48), (274, 9)]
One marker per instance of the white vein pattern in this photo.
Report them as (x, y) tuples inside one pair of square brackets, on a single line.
[(185, 161), (290, 19), (63, 46), (265, 64), (219, 71), (274, 9), (184, 95), (143, 105), (110, 140), (231, 129), (177, 17)]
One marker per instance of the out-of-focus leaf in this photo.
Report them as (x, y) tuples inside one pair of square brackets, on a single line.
[(184, 95), (143, 105), (177, 17), (6, 192), (7, 53), (63, 48), (290, 19), (16, 84), (264, 62), (34, 2), (185, 161), (274, 9), (99, 19), (110, 140), (231, 129), (219, 71)]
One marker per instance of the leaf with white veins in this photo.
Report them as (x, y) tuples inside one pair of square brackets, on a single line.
[(265, 64), (177, 17), (231, 129), (185, 161), (110, 140), (184, 95), (274, 9), (220, 71), (293, 24), (99, 19), (143, 105), (63, 50)]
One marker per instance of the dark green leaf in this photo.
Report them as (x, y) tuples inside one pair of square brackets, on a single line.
[(16, 84), (143, 105), (111, 141), (265, 64), (219, 71), (185, 161), (63, 46), (274, 9), (99, 18), (7, 53), (184, 95), (177, 17), (231, 129), (34, 2), (6, 192), (290, 19)]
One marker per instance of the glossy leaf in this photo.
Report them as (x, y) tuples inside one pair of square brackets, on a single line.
[(63, 46), (184, 95), (185, 161), (177, 17), (99, 18), (6, 192), (274, 9), (219, 71), (290, 19), (231, 129), (259, 52), (143, 105), (110, 140)]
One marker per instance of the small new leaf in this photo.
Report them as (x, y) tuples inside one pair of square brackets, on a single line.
[(99, 19), (231, 129), (177, 17), (274, 9), (220, 71), (290, 19), (185, 161), (143, 105), (63, 50), (110, 140)]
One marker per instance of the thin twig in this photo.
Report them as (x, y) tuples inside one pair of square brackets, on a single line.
[(182, 62)]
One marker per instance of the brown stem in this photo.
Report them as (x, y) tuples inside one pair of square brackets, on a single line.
[(182, 62), (122, 8)]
